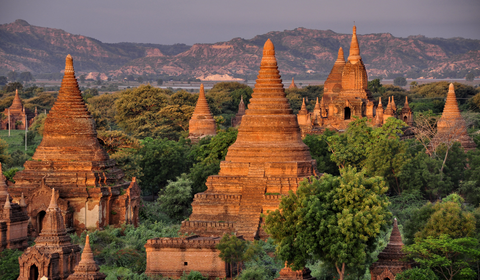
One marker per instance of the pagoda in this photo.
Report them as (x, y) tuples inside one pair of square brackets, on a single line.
[(13, 220), (452, 126), (53, 254), (92, 191), (241, 111), (390, 262), (87, 269), (293, 85), (202, 123), (267, 160), (16, 115)]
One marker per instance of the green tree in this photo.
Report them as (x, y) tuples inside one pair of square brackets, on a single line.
[(102, 110), (400, 81), (82, 78), (449, 257), (26, 77), (236, 251), (159, 82), (140, 79), (9, 266), (3, 80), (4, 157), (470, 187), (333, 219), (161, 160), (12, 86), (378, 150), (375, 86), (138, 112), (416, 274), (175, 200), (38, 124), (320, 151)]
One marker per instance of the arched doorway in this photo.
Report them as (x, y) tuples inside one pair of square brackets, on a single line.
[(33, 273), (40, 217), (405, 118), (347, 113)]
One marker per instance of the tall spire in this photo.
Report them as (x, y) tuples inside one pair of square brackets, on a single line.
[(53, 228), (87, 268), (202, 106), (354, 56), (7, 202), (53, 201), (340, 57), (202, 122), (241, 106), (406, 103), (17, 103), (317, 104), (292, 85)]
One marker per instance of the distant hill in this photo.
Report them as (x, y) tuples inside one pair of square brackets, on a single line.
[(300, 52)]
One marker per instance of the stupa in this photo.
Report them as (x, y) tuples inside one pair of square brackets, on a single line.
[(452, 126), (15, 115), (390, 262), (13, 220), (407, 114), (87, 269), (202, 123), (241, 111), (92, 191), (53, 254), (292, 85), (266, 161)]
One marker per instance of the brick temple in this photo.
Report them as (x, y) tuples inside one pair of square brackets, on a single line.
[(267, 160), (92, 191), (202, 123), (87, 269), (390, 262), (16, 115), (237, 120), (13, 220), (346, 95), (452, 126), (53, 254)]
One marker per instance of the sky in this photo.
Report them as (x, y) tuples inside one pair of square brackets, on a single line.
[(211, 21)]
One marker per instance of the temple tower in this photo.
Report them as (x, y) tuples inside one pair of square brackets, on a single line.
[(390, 262), (267, 160), (87, 269), (17, 113), (202, 122), (92, 190), (452, 126), (53, 255), (293, 85), (303, 116), (241, 111), (13, 220), (407, 113)]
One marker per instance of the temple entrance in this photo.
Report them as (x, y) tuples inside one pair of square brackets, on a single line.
[(40, 217), (33, 273), (405, 119), (347, 113)]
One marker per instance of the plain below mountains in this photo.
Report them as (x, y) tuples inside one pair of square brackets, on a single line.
[(300, 52)]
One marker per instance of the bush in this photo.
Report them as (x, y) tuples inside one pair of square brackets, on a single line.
[(177, 198), (417, 274), (9, 266)]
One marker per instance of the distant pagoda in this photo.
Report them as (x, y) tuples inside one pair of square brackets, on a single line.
[(202, 122)]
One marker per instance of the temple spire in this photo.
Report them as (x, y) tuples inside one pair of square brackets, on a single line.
[(317, 104), (354, 56), (53, 201), (292, 85), (406, 103), (340, 57), (7, 202), (17, 103)]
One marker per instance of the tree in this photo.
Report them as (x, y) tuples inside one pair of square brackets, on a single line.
[(445, 255), (320, 151), (161, 160), (470, 77), (176, 199), (235, 250), (12, 76), (82, 78), (416, 274), (3, 80), (138, 112), (9, 266), (102, 110), (159, 82), (10, 87), (140, 79), (400, 81), (375, 86), (4, 157), (333, 219), (26, 77)]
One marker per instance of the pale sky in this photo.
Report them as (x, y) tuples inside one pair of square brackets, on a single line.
[(210, 21)]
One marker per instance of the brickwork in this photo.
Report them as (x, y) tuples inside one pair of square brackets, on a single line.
[(17, 113), (13, 220), (202, 122), (53, 255), (390, 262), (87, 269), (288, 274), (237, 120), (92, 190), (452, 126), (172, 257)]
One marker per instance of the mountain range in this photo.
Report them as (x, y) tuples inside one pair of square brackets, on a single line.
[(300, 52)]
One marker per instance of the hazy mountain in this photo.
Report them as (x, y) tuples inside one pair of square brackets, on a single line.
[(300, 52)]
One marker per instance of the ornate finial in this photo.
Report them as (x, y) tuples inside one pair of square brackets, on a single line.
[(354, 56), (53, 201), (451, 88), (268, 49), (380, 102), (69, 65), (22, 201), (7, 203), (202, 89)]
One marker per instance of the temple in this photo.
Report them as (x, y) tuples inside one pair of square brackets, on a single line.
[(53, 255), (13, 220), (390, 262), (202, 123), (292, 85), (267, 160), (346, 95), (241, 111), (452, 126), (16, 114), (92, 191), (87, 269)]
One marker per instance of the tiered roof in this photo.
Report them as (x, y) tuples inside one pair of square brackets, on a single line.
[(202, 122)]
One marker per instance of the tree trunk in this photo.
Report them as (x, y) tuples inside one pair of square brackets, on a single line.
[(341, 273)]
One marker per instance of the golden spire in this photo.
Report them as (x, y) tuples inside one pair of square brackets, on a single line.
[(292, 85), (317, 104), (380, 103), (340, 57), (202, 106), (53, 201), (354, 56), (7, 203)]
